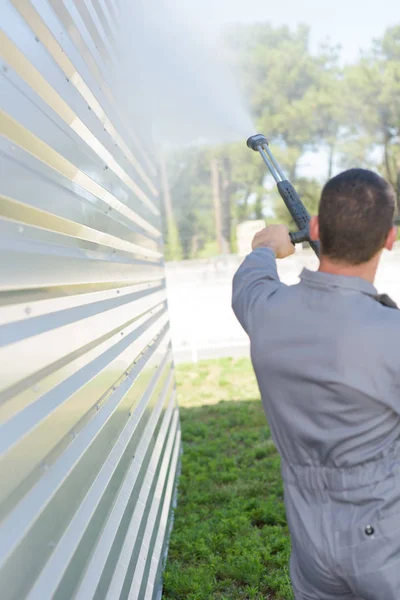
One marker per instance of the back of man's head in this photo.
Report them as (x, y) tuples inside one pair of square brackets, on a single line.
[(355, 216)]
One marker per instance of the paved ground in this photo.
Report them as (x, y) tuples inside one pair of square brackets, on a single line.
[(199, 292)]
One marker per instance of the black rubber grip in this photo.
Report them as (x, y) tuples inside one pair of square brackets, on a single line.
[(297, 237), (299, 214)]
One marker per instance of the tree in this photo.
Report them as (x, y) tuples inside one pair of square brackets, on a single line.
[(301, 102), (190, 187), (294, 97), (173, 248), (372, 108)]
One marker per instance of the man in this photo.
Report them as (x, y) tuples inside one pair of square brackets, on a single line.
[(326, 353)]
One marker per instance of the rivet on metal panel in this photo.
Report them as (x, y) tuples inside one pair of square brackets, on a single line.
[(97, 407), (67, 79), (36, 39), (114, 387), (89, 108), (5, 68), (73, 434), (106, 167), (122, 333), (118, 291)]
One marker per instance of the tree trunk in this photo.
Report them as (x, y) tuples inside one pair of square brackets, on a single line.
[(226, 207), (166, 194), (173, 249), (398, 190), (194, 246), (331, 159), (216, 195)]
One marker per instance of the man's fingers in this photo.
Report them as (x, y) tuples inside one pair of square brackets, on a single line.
[(275, 237)]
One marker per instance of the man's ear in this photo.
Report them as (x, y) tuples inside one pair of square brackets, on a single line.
[(314, 229), (391, 238)]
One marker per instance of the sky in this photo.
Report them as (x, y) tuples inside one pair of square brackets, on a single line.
[(351, 23), (192, 92)]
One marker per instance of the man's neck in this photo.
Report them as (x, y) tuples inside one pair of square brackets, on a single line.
[(365, 271)]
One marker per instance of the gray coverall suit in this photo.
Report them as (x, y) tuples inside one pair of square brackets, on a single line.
[(326, 355)]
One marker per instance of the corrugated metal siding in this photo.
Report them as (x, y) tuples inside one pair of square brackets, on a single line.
[(90, 436)]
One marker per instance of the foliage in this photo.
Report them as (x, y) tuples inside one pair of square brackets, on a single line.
[(173, 246), (230, 538), (304, 102), (372, 101)]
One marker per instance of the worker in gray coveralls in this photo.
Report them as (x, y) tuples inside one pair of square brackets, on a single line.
[(326, 353)]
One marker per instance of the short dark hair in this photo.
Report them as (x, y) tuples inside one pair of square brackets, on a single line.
[(356, 213)]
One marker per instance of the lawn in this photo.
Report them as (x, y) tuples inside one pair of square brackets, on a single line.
[(230, 539)]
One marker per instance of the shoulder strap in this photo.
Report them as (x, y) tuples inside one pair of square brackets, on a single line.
[(385, 300)]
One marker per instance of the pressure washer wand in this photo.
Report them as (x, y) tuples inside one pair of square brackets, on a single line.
[(259, 143)]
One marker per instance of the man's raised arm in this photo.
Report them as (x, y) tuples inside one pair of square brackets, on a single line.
[(257, 278)]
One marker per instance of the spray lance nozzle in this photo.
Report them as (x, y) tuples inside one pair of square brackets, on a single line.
[(256, 141), (259, 143)]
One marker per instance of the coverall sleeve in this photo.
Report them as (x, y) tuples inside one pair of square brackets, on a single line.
[(254, 282)]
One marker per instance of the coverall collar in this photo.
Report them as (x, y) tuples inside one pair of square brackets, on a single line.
[(330, 281)]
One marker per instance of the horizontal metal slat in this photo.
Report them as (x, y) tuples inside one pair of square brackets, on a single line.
[(145, 461), (66, 377), (52, 574), (34, 271), (25, 520), (88, 19), (140, 577), (18, 238), (70, 16), (35, 453), (27, 445), (113, 11), (88, 413), (154, 578), (32, 504), (41, 58), (50, 191), (21, 136), (102, 10), (43, 23), (162, 450), (46, 348), (58, 299), (23, 214), (37, 95)]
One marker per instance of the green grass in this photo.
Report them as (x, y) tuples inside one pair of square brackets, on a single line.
[(230, 539)]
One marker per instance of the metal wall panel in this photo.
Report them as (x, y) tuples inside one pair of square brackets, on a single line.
[(90, 437)]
